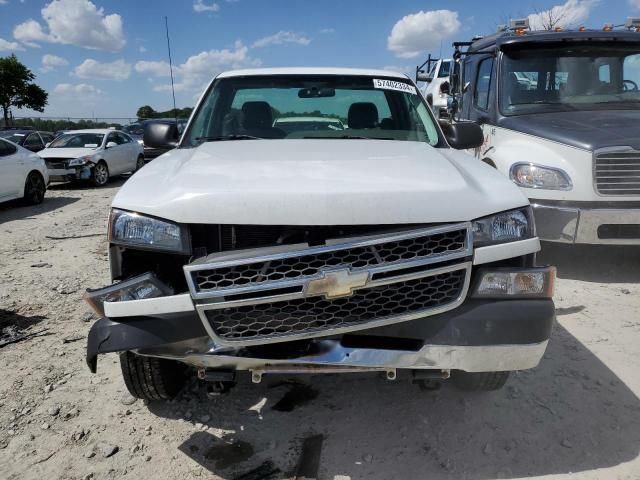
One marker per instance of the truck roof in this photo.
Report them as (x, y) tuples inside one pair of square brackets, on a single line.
[(313, 71), (501, 39)]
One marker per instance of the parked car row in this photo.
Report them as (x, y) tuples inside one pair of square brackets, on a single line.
[(94, 155)]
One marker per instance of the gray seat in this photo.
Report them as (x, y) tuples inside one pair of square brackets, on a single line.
[(257, 120), (362, 115)]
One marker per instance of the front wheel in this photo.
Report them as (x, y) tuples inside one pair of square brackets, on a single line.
[(34, 189), (139, 163), (152, 378), (100, 174), (479, 381)]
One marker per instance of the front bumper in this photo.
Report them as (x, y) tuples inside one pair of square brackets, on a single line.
[(68, 174), (588, 222), (480, 335)]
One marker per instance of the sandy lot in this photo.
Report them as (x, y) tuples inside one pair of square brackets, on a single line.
[(576, 416)]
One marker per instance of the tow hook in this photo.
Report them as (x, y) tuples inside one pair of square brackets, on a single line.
[(218, 381)]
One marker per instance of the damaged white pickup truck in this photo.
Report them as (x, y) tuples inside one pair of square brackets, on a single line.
[(374, 246)]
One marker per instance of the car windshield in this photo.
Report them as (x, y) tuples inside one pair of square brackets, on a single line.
[(312, 106), (78, 140), (576, 77), (15, 137)]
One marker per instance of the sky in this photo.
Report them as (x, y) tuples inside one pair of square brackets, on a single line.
[(106, 58)]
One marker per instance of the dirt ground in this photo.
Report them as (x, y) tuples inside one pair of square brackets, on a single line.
[(575, 416)]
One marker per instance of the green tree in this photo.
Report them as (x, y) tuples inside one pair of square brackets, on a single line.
[(17, 88), (146, 112)]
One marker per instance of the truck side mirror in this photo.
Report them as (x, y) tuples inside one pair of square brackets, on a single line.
[(161, 135), (463, 135)]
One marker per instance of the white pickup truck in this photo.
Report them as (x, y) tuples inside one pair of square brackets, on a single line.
[(378, 247)]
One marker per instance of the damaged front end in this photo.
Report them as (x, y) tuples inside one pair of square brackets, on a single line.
[(275, 299), (69, 169)]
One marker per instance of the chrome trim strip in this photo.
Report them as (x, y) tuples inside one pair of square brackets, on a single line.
[(432, 357), (291, 251), (202, 308)]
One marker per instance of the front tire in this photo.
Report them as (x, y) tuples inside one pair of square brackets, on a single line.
[(479, 381), (34, 189), (151, 378), (100, 174), (139, 163)]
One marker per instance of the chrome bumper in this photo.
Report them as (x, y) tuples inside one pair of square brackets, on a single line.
[(581, 225), (431, 357)]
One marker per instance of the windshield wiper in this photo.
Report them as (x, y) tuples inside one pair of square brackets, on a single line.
[(349, 137), (219, 138)]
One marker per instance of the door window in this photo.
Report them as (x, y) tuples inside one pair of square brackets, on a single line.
[(6, 149), (483, 84), (33, 142)]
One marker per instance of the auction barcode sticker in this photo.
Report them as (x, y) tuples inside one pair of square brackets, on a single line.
[(393, 85)]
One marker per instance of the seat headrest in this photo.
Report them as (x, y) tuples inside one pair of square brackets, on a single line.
[(257, 115), (363, 115)]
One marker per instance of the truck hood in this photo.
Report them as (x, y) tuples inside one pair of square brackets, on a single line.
[(587, 130), (66, 152), (317, 182)]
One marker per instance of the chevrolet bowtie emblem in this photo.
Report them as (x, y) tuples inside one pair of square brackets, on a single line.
[(337, 283)]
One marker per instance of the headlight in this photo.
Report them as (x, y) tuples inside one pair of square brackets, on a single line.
[(504, 227), (529, 175), (79, 162), (128, 228)]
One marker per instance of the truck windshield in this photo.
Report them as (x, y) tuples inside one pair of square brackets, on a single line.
[(312, 107), (574, 77)]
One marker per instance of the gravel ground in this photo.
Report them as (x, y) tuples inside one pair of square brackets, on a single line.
[(575, 416)]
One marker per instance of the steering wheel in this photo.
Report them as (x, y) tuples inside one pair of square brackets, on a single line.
[(629, 85)]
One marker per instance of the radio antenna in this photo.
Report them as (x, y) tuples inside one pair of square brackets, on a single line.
[(173, 91)]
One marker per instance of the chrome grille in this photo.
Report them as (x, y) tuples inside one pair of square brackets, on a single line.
[(617, 171), (280, 293), (316, 314), (310, 262)]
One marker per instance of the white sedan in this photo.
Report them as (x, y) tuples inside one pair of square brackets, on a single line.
[(23, 174), (95, 155)]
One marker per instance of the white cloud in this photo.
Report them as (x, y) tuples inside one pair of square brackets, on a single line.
[(198, 70), (77, 90), (3, 2), (569, 14), (635, 3), (74, 22), (51, 62), (282, 37), (9, 46), (142, 49), (90, 68), (417, 33), (333, 30), (201, 7), (159, 69)]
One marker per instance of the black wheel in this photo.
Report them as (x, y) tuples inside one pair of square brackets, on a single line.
[(34, 189), (100, 174), (139, 163), (479, 381), (152, 378)]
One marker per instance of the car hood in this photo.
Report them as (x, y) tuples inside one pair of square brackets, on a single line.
[(317, 182), (66, 152), (587, 130)]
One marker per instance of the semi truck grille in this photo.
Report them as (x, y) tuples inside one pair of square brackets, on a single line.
[(316, 314), (617, 172), (291, 291)]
